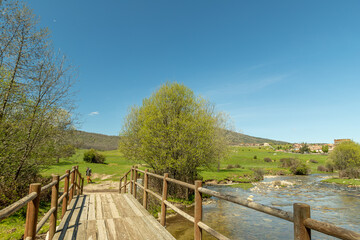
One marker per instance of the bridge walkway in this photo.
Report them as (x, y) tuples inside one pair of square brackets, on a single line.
[(109, 216)]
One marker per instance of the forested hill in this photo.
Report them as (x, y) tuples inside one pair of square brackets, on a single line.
[(86, 140), (236, 138)]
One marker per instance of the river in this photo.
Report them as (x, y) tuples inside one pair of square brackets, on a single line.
[(335, 204)]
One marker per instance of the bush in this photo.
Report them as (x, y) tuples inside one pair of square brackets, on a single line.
[(258, 174), (313, 161), (255, 157), (346, 155), (300, 169), (322, 168), (267, 160), (230, 166), (350, 173), (330, 166), (288, 162), (93, 156)]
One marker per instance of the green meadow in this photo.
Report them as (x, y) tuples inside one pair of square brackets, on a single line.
[(238, 166)]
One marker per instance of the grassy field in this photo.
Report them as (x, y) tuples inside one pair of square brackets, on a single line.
[(351, 182), (247, 157), (253, 157)]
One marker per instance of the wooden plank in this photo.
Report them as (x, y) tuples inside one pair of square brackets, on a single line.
[(101, 230), (73, 226), (85, 210), (99, 212), (65, 220), (122, 206), (133, 207), (91, 230), (105, 207), (114, 210), (91, 213), (111, 229), (121, 229)]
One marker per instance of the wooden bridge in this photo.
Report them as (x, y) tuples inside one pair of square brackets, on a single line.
[(109, 216), (121, 216)]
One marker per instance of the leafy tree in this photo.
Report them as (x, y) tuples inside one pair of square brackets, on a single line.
[(325, 148), (304, 148), (35, 100), (174, 131), (346, 155)]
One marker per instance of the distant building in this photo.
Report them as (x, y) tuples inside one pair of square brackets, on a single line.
[(266, 145), (337, 141)]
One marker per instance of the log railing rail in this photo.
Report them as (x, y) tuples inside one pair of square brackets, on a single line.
[(300, 217), (32, 226)]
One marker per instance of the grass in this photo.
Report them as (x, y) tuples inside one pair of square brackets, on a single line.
[(244, 156), (353, 182), (244, 186)]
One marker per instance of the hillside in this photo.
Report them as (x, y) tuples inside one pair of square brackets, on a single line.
[(86, 140), (236, 138)]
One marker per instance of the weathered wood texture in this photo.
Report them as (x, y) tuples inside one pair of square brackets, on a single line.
[(109, 216)]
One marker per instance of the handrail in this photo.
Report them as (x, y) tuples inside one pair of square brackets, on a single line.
[(32, 226), (300, 217), (10, 210)]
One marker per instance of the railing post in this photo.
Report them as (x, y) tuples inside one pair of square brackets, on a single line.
[(82, 186), (73, 185), (301, 212), (163, 205), (66, 190), (76, 177), (120, 184), (145, 188), (198, 211), (131, 180), (32, 212), (125, 183), (135, 181), (78, 183), (54, 200)]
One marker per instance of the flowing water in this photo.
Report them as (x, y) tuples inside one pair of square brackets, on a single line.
[(335, 204)]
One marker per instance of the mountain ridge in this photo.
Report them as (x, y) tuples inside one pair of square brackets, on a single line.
[(103, 142)]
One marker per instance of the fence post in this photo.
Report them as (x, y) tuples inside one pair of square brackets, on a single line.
[(131, 180), (82, 186), (66, 190), (135, 181), (120, 184), (163, 205), (125, 183), (301, 212), (198, 211), (78, 183), (32, 212), (54, 200), (145, 188), (73, 185)]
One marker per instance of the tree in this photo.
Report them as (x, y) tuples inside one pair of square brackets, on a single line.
[(35, 100), (304, 148), (346, 155), (325, 148), (174, 131)]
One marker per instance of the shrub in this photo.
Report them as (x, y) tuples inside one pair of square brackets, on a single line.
[(267, 160), (258, 174), (322, 168), (330, 166), (255, 157), (289, 162), (350, 173), (346, 155), (237, 166), (300, 169), (313, 161), (93, 156)]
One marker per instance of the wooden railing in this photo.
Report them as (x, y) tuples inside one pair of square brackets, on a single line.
[(300, 217), (32, 226)]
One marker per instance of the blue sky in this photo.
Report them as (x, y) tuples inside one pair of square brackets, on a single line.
[(285, 70)]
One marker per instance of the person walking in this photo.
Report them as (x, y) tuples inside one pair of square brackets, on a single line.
[(88, 175)]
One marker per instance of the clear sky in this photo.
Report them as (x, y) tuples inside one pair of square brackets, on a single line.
[(285, 70)]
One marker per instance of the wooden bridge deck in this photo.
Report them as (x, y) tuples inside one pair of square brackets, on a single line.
[(109, 216)]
